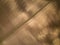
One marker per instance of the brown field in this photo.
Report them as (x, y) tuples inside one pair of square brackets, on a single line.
[(29, 22)]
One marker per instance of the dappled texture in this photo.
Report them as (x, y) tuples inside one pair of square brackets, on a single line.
[(29, 22)]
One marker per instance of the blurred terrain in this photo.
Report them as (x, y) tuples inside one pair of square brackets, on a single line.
[(29, 22)]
